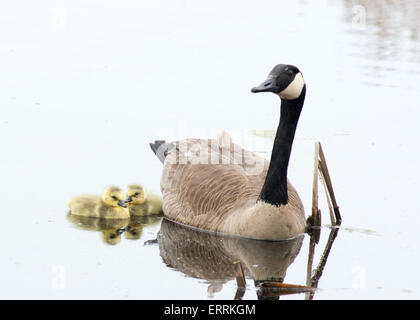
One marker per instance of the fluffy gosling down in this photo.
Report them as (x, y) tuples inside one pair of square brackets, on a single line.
[(110, 205), (142, 204)]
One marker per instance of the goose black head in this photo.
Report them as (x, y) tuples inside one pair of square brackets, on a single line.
[(284, 80)]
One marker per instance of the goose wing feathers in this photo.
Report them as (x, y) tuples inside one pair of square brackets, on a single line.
[(200, 194)]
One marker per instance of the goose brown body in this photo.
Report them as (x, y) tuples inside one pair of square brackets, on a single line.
[(222, 197)]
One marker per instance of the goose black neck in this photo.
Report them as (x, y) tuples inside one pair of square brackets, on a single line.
[(274, 190)]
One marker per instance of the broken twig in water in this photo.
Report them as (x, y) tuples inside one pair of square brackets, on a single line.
[(316, 214), (327, 179), (321, 172), (276, 289), (240, 276), (240, 281)]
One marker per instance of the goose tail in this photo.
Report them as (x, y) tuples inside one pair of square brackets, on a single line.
[(160, 148)]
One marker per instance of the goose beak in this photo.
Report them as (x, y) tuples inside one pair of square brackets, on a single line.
[(129, 199), (268, 85), (121, 203)]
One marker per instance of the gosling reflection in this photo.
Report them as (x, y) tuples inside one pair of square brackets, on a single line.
[(111, 230), (213, 258), (134, 230)]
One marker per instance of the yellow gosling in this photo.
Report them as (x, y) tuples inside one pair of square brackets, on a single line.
[(110, 206), (142, 204)]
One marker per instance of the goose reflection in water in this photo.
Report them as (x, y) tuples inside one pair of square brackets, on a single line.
[(112, 229), (214, 258)]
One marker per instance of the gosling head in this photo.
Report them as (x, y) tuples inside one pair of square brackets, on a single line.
[(135, 194), (284, 80), (114, 197)]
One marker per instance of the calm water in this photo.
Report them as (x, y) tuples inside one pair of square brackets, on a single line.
[(87, 84)]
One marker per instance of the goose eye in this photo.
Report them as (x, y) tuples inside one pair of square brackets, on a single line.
[(136, 194), (290, 73), (114, 197)]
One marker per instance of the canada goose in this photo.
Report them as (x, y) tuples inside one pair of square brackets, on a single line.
[(241, 194), (141, 203), (110, 206)]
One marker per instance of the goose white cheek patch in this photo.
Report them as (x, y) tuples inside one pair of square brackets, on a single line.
[(294, 89)]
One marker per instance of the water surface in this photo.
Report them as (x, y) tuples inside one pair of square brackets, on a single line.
[(86, 85)]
